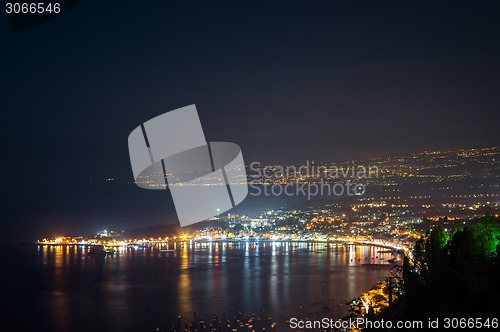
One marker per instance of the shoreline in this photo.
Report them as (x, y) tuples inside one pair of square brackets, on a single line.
[(357, 243)]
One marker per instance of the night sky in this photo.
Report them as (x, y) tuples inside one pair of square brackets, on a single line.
[(287, 81)]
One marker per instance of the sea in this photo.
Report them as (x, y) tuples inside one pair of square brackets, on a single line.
[(63, 288)]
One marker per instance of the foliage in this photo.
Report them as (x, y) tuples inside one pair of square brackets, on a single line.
[(455, 277)]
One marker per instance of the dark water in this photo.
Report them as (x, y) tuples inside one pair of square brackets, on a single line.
[(61, 288)]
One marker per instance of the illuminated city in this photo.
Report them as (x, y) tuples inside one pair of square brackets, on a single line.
[(259, 166)]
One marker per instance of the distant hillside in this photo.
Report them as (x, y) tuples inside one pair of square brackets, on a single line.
[(169, 230)]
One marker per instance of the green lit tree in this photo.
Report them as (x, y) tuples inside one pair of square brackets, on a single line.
[(451, 277)]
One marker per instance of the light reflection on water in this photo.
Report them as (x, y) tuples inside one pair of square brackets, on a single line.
[(145, 289)]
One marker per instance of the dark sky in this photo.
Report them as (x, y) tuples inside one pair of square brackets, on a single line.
[(286, 80)]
